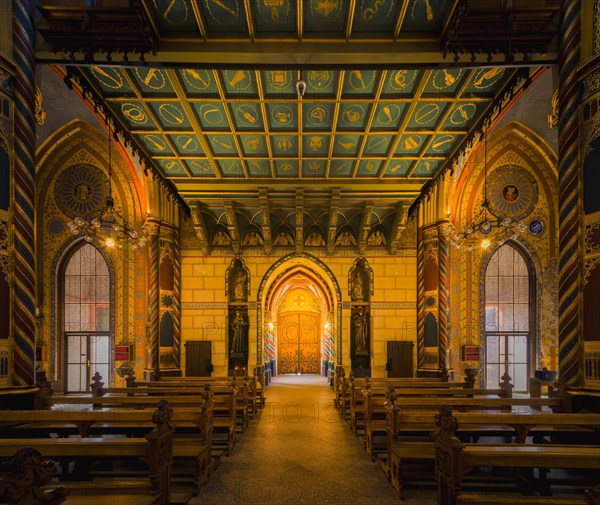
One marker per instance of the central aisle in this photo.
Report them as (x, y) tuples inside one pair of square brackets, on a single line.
[(298, 451)]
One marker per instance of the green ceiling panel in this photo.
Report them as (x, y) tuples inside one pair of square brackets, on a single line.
[(325, 15), (320, 83), (426, 168), (199, 82), (444, 81), (426, 114), (400, 82), (313, 168), (317, 116), (212, 115), (110, 80), (375, 16), (152, 81), (254, 145), (286, 168), (282, 116), (171, 115), (486, 80), (360, 82), (259, 168), (284, 145), (462, 115), (426, 15), (172, 168), (275, 16), (200, 168), (135, 114), (443, 144), (315, 145), (247, 116), (353, 116), (410, 144), (341, 168), (346, 145), (377, 145), (187, 144), (368, 168), (174, 15), (222, 144), (220, 15), (231, 168), (398, 168), (388, 116), (156, 144), (239, 82), (279, 82)]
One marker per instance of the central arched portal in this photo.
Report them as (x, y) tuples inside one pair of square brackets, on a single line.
[(299, 312)]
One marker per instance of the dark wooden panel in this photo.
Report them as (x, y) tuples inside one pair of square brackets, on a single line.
[(198, 358), (400, 359)]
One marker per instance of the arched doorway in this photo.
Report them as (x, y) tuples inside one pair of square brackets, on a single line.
[(85, 317), (299, 316)]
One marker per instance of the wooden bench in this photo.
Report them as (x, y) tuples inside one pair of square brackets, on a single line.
[(192, 439), (454, 461), (409, 440), (152, 487)]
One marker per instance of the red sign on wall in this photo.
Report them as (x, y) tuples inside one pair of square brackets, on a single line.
[(470, 353), (122, 352)]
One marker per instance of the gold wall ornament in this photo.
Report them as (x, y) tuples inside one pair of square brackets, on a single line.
[(134, 113), (5, 253), (40, 113), (197, 79), (591, 248), (553, 116), (325, 7), (171, 114), (151, 77), (109, 77)]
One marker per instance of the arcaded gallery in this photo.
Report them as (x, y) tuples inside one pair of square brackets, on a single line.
[(273, 252)]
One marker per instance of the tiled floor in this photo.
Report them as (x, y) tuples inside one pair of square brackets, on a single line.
[(300, 451)]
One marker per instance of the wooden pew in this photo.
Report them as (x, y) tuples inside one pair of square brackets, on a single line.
[(155, 449), (409, 440), (455, 459), (192, 439)]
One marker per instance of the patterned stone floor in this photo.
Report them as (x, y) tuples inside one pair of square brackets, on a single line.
[(300, 451)]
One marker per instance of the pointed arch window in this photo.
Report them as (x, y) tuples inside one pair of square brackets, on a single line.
[(509, 317), (86, 318)]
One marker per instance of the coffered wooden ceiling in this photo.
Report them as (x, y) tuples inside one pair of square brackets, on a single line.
[(214, 107)]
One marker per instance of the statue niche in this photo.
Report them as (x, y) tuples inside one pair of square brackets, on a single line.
[(360, 330), (360, 285), (238, 283), (238, 331)]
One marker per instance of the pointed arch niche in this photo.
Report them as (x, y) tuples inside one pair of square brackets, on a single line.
[(299, 317)]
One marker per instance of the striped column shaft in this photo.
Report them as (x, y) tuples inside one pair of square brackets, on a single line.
[(153, 295), (443, 298), (420, 299), (569, 321), (24, 194), (176, 301)]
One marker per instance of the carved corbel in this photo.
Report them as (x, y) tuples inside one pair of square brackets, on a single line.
[(398, 227), (334, 207), (263, 198), (233, 227), (299, 220), (200, 228), (365, 227)]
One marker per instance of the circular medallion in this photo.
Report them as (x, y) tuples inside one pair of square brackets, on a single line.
[(56, 227), (536, 227), (512, 191), (430, 302), (81, 190)]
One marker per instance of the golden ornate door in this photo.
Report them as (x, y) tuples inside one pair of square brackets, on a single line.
[(298, 342)]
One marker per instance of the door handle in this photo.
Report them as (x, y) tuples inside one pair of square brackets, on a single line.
[(87, 363)]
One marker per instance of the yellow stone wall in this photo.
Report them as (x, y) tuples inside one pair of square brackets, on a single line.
[(204, 302)]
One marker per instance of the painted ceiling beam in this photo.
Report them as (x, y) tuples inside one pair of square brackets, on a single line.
[(365, 227), (398, 227), (233, 226), (263, 198), (299, 220), (334, 208), (293, 54), (200, 227)]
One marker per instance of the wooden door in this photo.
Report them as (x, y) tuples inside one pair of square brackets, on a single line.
[(400, 359), (198, 357), (298, 343)]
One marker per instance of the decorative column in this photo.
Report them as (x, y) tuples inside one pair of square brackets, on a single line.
[(153, 229), (570, 275), (24, 193), (176, 300)]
